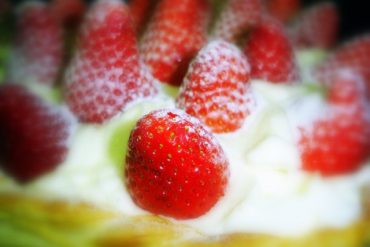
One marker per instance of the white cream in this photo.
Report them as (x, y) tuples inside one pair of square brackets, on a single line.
[(267, 192)]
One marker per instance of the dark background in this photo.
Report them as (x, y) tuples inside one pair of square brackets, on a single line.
[(355, 15)]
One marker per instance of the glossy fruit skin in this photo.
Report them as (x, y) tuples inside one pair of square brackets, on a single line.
[(174, 167), (105, 74), (38, 48), (353, 55), (337, 143), (270, 53), (176, 32), (216, 88), (317, 27), (33, 135), (237, 18)]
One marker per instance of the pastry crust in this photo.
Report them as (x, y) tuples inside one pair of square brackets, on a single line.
[(33, 222)]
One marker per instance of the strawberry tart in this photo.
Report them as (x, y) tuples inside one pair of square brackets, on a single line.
[(184, 123)]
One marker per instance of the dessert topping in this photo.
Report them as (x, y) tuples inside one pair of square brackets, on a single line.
[(33, 135), (237, 18), (353, 55), (284, 10), (104, 76), (175, 167), (174, 35), (141, 11), (270, 53), (336, 143), (38, 49), (216, 88), (317, 27)]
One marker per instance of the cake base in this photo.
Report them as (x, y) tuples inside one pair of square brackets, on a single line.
[(32, 222)]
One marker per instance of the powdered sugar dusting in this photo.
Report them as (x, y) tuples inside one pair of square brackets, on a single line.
[(216, 88), (105, 74), (237, 17), (174, 35), (38, 51), (353, 55), (317, 27)]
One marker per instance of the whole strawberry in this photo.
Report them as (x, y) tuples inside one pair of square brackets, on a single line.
[(174, 167), (104, 76), (37, 54), (174, 35), (317, 27), (270, 53), (337, 143), (33, 135), (353, 55), (238, 17), (216, 88)]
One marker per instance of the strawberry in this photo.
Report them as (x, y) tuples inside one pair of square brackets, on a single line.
[(317, 26), (33, 135), (38, 49), (173, 37), (69, 12), (140, 11), (238, 17), (270, 53), (284, 10), (104, 75), (336, 143), (216, 87), (174, 167), (353, 55)]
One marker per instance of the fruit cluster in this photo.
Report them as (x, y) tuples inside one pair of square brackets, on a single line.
[(174, 165)]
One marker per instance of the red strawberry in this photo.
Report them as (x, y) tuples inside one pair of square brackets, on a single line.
[(270, 54), (284, 10), (174, 166), (33, 135), (216, 89), (69, 12), (237, 18), (337, 143), (140, 11), (38, 50), (104, 75), (354, 55), (317, 26), (175, 34)]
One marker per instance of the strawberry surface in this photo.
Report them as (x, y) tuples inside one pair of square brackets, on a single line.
[(237, 18), (317, 27), (33, 135), (69, 12), (337, 142), (38, 48), (284, 10), (216, 88), (174, 35), (140, 11), (270, 53), (105, 74), (174, 167), (353, 55)]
